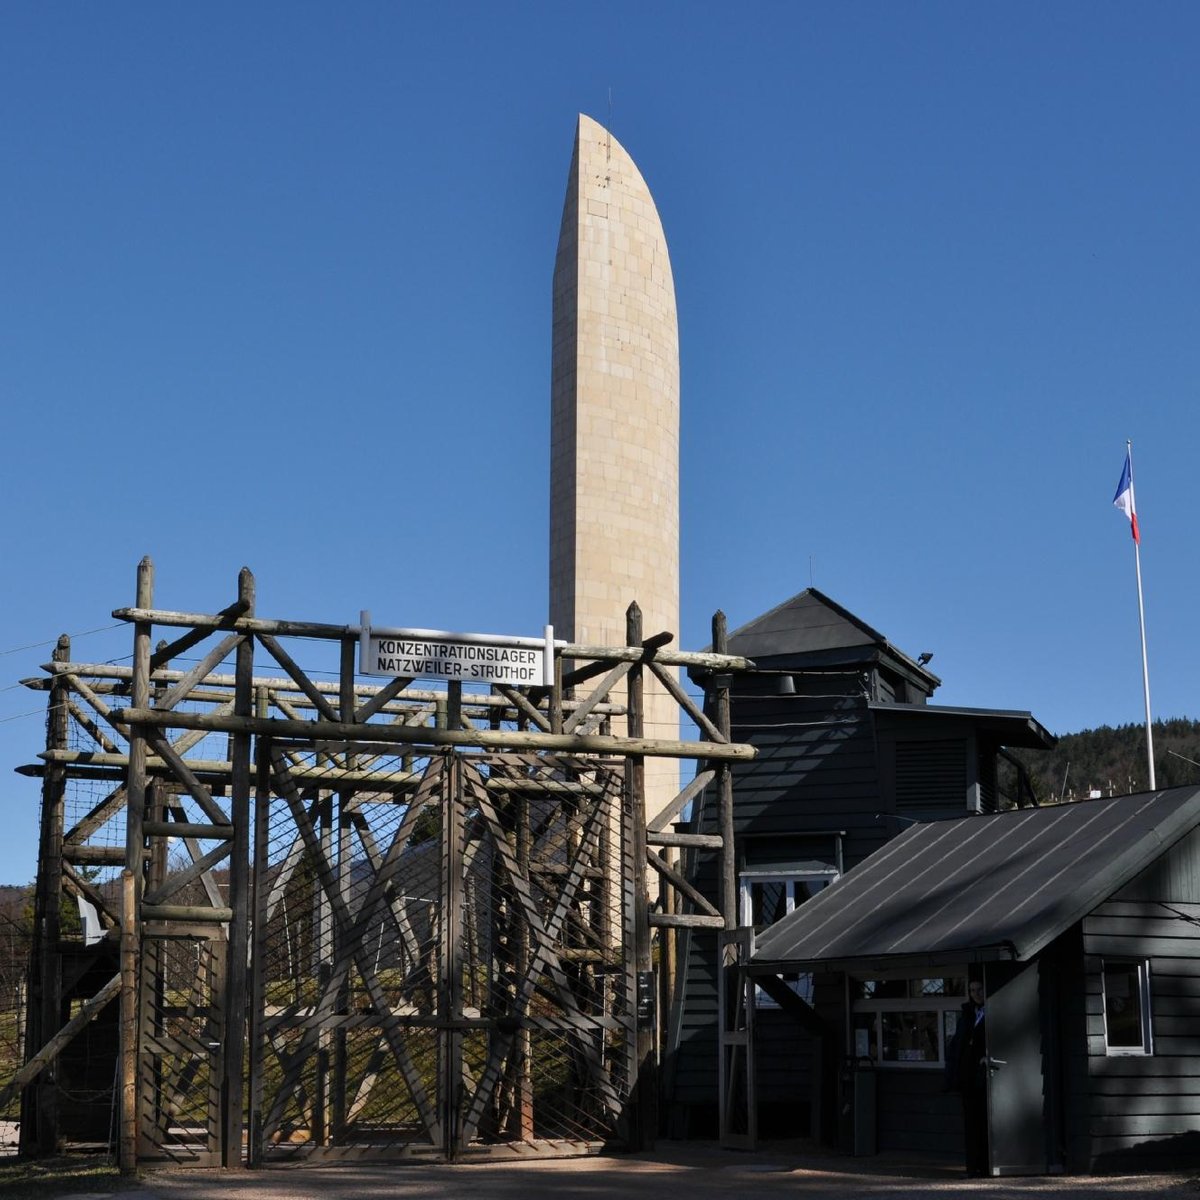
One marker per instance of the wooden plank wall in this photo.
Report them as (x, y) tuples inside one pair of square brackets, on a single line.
[(816, 772), (1132, 1111), (915, 1114)]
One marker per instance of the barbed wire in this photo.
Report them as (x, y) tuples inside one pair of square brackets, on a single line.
[(54, 641)]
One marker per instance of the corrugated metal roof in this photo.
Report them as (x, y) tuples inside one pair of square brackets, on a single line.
[(997, 886)]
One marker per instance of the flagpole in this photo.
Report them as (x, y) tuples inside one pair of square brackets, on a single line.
[(1137, 559)]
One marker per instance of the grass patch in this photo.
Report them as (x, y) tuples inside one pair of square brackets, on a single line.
[(44, 1178)]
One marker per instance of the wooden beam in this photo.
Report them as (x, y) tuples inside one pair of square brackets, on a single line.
[(197, 913), (51, 1050), (382, 698), (81, 887), (701, 841), (680, 883), (110, 856), (86, 723), (685, 921), (686, 703), (187, 829), (331, 777), (312, 629), (255, 625), (599, 693), (180, 690), (136, 790), (183, 773), (192, 638), (178, 880), (644, 1122), (237, 991), (691, 790), (113, 678), (542, 720), (725, 784), (487, 739), (285, 660), (671, 658)]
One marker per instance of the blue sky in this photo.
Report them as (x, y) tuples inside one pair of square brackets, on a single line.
[(276, 292)]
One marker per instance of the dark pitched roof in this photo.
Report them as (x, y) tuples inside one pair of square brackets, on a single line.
[(999, 886), (810, 622)]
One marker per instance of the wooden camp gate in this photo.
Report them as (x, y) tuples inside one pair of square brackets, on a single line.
[(362, 919), (454, 971)]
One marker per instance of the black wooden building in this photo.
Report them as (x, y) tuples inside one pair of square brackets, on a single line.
[(1083, 921), (850, 752)]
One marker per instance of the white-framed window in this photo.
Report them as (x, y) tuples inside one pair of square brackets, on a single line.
[(1127, 1006), (904, 1020), (768, 894)]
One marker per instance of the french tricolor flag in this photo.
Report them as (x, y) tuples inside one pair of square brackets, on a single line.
[(1124, 498)]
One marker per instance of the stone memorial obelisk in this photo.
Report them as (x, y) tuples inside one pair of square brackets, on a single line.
[(614, 448)]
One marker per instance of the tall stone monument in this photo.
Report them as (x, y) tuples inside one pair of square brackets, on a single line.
[(614, 448)]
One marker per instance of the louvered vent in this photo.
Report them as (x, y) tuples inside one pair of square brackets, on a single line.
[(931, 775)]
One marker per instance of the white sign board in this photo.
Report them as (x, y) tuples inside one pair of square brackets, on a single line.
[(466, 657)]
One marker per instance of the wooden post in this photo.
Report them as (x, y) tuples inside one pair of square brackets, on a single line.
[(127, 1147), (233, 1102), (729, 888), (135, 815), (348, 660), (39, 1127), (450, 997), (555, 702), (260, 879), (521, 1121), (156, 798), (645, 1125), (668, 963), (42, 1059)]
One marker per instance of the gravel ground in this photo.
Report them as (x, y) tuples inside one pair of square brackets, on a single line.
[(680, 1171)]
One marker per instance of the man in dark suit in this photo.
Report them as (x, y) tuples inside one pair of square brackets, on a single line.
[(966, 1068)]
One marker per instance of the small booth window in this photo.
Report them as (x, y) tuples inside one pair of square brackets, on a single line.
[(1127, 1007), (905, 1021), (766, 895)]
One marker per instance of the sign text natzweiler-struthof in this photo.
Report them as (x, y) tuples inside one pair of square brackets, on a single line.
[(467, 657)]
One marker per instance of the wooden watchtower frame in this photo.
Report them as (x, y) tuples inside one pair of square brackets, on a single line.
[(359, 919)]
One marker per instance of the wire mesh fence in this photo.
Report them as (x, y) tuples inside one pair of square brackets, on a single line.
[(346, 958), (16, 941), (441, 960), (551, 1058)]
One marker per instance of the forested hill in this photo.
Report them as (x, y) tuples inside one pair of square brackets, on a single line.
[(1112, 761)]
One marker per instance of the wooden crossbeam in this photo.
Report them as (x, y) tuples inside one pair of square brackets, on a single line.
[(178, 691), (685, 701), (181, 645), (54, 1047), (523, 707), (690, 791), (598, 694), (681, 884), (90, 727), (351, 951), (384, 696), (178, 880), (298, 677), (544, 936), (485, 739), (184, 774)]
